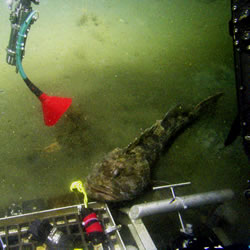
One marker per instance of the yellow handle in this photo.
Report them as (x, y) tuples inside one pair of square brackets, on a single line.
[(79, 186)]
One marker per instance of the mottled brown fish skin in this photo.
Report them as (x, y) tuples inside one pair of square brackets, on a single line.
[(125, 173)]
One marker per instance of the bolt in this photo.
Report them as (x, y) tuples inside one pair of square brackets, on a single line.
[(234, 7), (247, 137), (236, 42)]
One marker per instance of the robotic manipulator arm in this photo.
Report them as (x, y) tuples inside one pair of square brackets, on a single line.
[(20, 10)]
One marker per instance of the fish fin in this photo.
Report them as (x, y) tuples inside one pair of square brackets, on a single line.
[(139, 139)]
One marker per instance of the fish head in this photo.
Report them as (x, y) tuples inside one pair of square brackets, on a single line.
[(118, 177)]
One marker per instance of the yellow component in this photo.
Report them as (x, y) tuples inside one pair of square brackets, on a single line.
[(41, 247), (98, 247), (79, 186)]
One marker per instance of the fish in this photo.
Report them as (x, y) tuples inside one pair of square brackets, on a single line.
[(125, 173)]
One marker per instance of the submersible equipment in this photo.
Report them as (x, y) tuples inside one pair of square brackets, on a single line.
[(22, 17), (239, 29)]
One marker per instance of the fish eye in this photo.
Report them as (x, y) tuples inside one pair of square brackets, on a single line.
[(116, 172)]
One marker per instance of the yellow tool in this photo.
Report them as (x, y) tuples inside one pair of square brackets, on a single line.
[(79, 186)]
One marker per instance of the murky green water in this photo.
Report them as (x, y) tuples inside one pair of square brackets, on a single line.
[(124, 63)]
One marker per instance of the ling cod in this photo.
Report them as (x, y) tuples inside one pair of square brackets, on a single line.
[(125, 172)]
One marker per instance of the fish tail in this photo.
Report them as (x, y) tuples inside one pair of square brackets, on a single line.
[(180, 114), (180, 117), (206, 104), (161, 134)]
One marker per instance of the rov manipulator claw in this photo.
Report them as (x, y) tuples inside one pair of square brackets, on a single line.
[(20, 10)]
